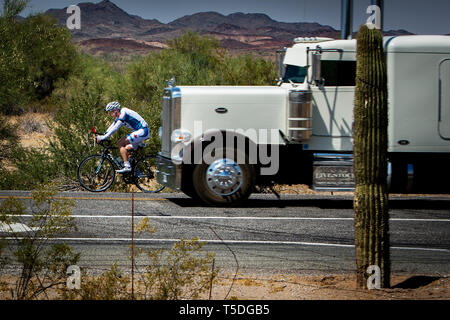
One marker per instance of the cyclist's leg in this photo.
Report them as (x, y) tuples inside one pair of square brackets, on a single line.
[(125, 153), (125, 150), (129, 143), (137, 137)]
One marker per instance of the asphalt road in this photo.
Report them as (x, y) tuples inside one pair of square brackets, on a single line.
[(305, 234)]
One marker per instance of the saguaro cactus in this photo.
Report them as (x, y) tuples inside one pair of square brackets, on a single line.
[(370, 158)]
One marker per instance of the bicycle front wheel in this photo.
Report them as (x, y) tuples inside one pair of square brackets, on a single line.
[(145, 174), (96, 173)]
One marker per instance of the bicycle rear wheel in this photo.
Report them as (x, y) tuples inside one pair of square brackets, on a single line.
[(145, 175), (95, 173)]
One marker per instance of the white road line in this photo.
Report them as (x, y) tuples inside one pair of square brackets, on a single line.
[(215, 241), (87, 198), (233, 218), (16, 228), (420, 220)]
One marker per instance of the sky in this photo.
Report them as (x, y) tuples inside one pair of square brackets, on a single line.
[(417, 16)]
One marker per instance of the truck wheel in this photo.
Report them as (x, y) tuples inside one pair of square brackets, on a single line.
[(224, 180)]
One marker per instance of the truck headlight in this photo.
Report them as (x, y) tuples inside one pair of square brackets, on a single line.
[(181, 135)]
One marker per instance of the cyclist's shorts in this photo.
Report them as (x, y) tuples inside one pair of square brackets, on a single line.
[(136, 137)]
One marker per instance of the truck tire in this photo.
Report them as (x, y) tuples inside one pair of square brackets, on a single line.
[(187, 186), (224, 180)]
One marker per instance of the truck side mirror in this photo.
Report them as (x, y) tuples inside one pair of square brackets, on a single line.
[(317, 69), (280, 62), (170, 83)]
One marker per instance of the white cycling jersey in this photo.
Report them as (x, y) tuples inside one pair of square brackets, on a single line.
[(129, 118)]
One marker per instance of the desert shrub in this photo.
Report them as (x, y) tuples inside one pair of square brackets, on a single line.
[(8, 138), (110, 285), (31, 124), (42, 266), (8, 147), (194, 60), (3, 263), (249, 70), (32, 168), (181, 272)]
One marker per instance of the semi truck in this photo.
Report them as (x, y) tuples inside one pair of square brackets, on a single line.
[(220, 142)]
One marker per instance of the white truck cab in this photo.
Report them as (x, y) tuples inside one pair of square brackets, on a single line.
[(218, 142)]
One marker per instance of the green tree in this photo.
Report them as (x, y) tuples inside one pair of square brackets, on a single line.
[(370, 158), (12, 8), (49, 53), (11, 59), (34, 54)]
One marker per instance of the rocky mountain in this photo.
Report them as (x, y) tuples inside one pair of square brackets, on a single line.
[(237, 31), (248, 23), (250, 28), (105, 20)]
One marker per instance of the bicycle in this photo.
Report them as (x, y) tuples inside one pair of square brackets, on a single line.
[(97, 172)]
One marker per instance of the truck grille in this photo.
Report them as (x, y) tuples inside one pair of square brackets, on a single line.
[(170, 118)]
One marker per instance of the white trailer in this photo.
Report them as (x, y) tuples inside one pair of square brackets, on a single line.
[(218, 142)]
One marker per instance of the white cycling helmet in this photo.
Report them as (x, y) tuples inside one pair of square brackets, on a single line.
[(112, 106)]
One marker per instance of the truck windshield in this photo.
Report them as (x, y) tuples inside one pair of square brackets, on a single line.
[(294, 73)]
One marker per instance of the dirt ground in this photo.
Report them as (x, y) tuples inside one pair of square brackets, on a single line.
[(309, 287), (32, 129), (330, 287)]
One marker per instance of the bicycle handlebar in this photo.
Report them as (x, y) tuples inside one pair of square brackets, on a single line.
[(105, 143)]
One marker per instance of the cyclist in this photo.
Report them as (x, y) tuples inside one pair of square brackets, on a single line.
[(133, 121)]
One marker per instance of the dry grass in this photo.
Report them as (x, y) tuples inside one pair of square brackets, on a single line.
[(32, 129)]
